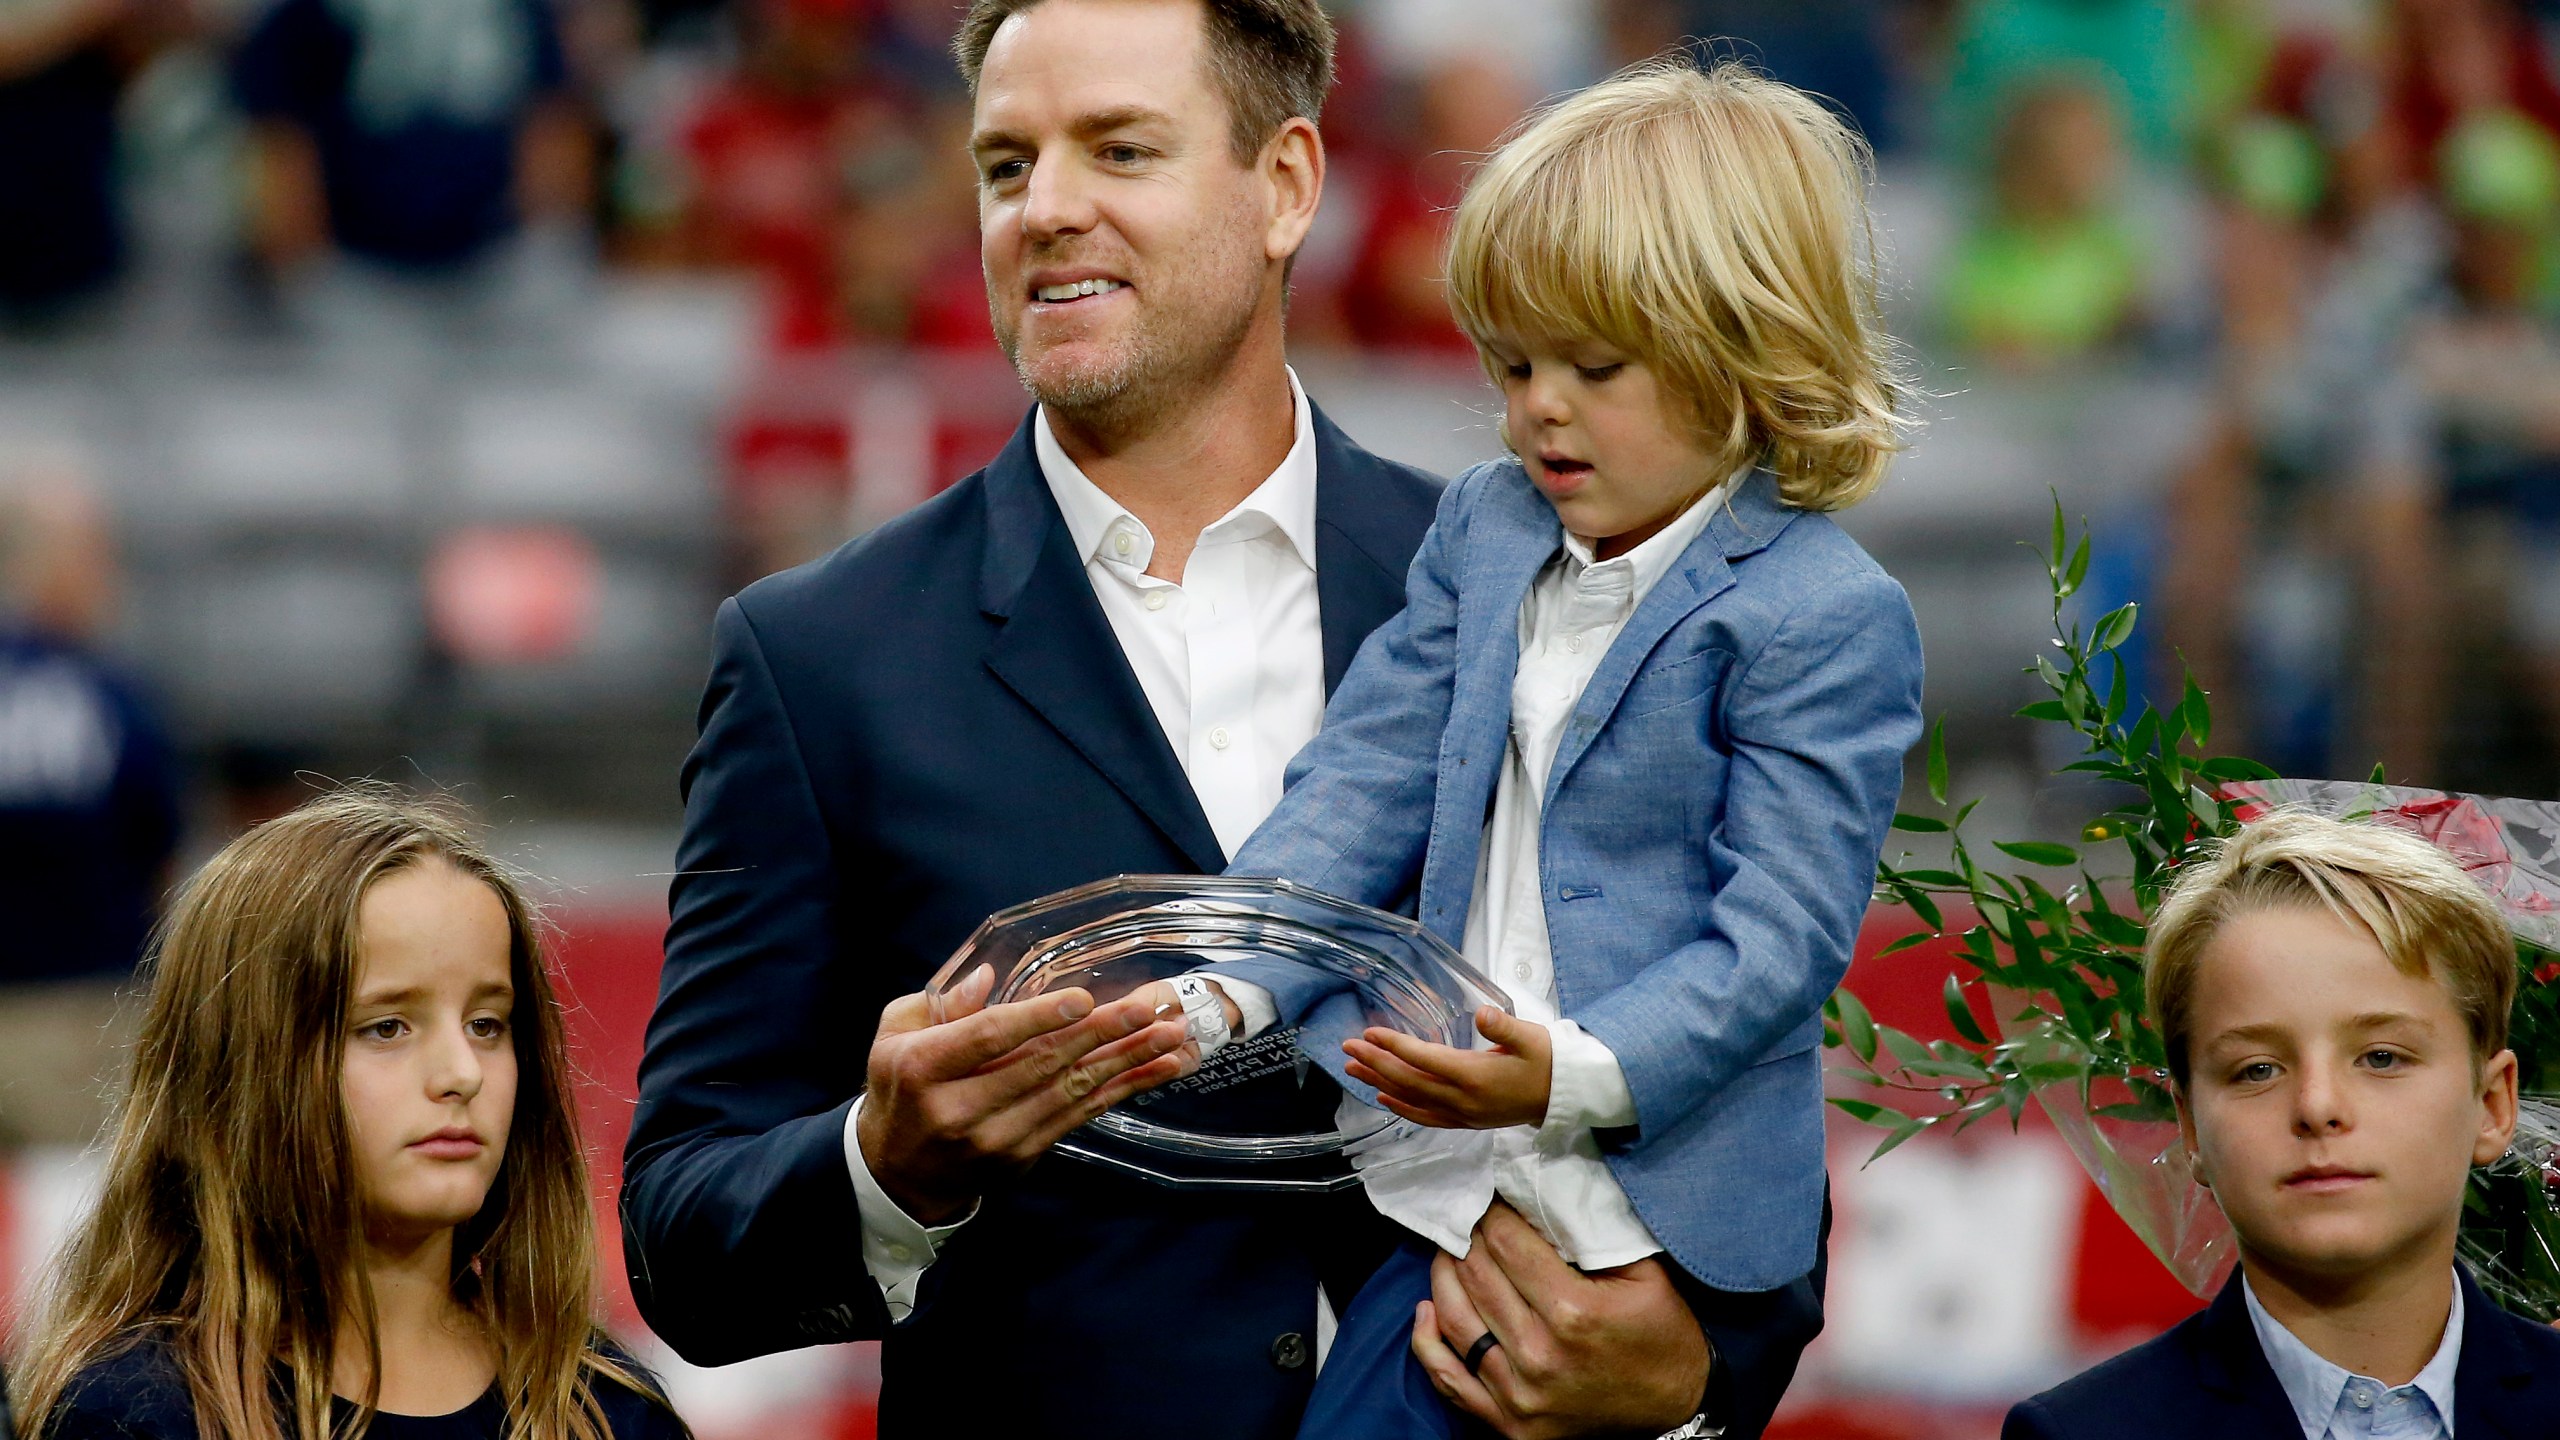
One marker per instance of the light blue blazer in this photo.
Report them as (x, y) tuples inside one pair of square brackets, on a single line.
[(1709, 835)]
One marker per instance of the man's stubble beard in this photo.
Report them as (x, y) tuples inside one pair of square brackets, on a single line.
[(1168, 360)]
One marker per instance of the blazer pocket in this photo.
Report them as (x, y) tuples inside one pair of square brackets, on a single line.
[(1684, 681)]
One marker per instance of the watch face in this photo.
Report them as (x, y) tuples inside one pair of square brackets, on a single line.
[(1266, 1111)]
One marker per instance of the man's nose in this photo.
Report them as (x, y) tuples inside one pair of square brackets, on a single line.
[(1056, 200)]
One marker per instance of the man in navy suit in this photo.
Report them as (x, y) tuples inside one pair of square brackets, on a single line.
[(1093, 657)]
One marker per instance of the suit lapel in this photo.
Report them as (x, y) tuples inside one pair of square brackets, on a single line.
[(2234, 1368), (1746, 522), (1359, 569), (1054, 648), (2490, 1378)]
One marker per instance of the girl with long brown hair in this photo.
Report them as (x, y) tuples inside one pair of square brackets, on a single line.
[(346, 1195)]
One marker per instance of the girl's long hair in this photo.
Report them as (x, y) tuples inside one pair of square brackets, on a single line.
[(229, 1224)]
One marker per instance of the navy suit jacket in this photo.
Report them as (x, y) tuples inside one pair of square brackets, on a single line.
[(2208, 1378), (930, 725)]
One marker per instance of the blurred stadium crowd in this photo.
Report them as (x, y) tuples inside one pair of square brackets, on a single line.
[(393, 386)]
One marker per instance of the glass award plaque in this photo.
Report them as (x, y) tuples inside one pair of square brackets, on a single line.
[(1265, 1111)]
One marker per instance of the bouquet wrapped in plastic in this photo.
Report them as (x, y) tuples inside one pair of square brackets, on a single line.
[(2053, 953)]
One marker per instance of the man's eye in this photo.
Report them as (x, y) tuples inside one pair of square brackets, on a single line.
[(1123, 154), (1595, 374), (1004, 170)]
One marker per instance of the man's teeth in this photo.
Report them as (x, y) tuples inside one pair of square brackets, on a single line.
[(1056, 293)]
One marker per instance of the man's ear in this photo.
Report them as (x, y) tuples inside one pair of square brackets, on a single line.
[(1291, 168), (2497, 1108)]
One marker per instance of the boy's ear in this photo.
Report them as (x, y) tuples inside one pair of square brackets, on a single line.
[(2187, 1134), (2497, 1108)]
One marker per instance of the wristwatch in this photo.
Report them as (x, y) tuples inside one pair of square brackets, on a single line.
[(1715, 1407), (1204, 1012)]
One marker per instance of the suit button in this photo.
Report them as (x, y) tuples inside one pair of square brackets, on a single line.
[(1289, 1351)]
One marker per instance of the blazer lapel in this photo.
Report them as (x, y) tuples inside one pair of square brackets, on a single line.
[(1054, 648), (2491, 1378), (2234, 1368), (1359, 570), (1745, 522)]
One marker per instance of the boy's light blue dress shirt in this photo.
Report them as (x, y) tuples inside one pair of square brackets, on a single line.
[(2336, 1404)]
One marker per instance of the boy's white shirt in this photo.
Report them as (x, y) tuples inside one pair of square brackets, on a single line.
[(1438, 1183), (2334, 1403)]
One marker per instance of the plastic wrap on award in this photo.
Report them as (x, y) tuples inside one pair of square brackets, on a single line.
[(1265, 1111)]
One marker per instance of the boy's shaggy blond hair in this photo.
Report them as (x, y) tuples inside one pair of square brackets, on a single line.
[(1707, 223), (2431, 919)]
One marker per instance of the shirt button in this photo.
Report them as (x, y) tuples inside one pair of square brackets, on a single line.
[(1219, 739), (1289, 1352), (1156, 599), (1121, 544), (1573, 643), (2362, 1397), (1520, 971)]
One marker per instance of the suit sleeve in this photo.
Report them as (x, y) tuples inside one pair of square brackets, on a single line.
[(739, 1216), (1356, 818), (1817, 720), (2029, 1420)]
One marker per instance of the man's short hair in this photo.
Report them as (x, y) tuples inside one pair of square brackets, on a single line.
[(2434, 921), (1272, 60)]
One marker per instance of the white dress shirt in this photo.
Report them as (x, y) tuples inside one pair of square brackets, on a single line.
[(1437, 1183), (2333, 1403), (1232, 662)]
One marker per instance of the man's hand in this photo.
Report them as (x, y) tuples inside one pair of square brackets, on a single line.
[(1453, 1089), (952, 1108), (1574, 1354)]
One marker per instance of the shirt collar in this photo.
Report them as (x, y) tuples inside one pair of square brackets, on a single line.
[(1285, 500), (2315, 1387), (1650, 561)]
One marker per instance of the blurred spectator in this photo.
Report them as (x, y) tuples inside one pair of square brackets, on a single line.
[(2052, 271), (833, 164), (88, 814), (63, 64), (1394, 296), (1833, 48), (414, 133), (2142, 50), (2489, 362), (2306, 538), (2457, 58)]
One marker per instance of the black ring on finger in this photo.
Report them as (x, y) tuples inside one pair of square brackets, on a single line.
[(1476, 1352)]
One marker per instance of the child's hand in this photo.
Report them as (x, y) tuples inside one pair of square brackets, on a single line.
[(1453, 1089)]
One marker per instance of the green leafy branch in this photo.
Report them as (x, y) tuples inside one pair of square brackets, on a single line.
[(2060, 955)]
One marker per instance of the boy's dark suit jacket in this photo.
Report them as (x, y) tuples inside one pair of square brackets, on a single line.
[(930, 725), (2208, 1378)]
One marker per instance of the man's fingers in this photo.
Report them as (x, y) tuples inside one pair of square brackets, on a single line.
[(1490, 1289), (966, 998), (906, 1015), (1448, 1372), (1103, 1096), (963, 1046), (1525, 1258)]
